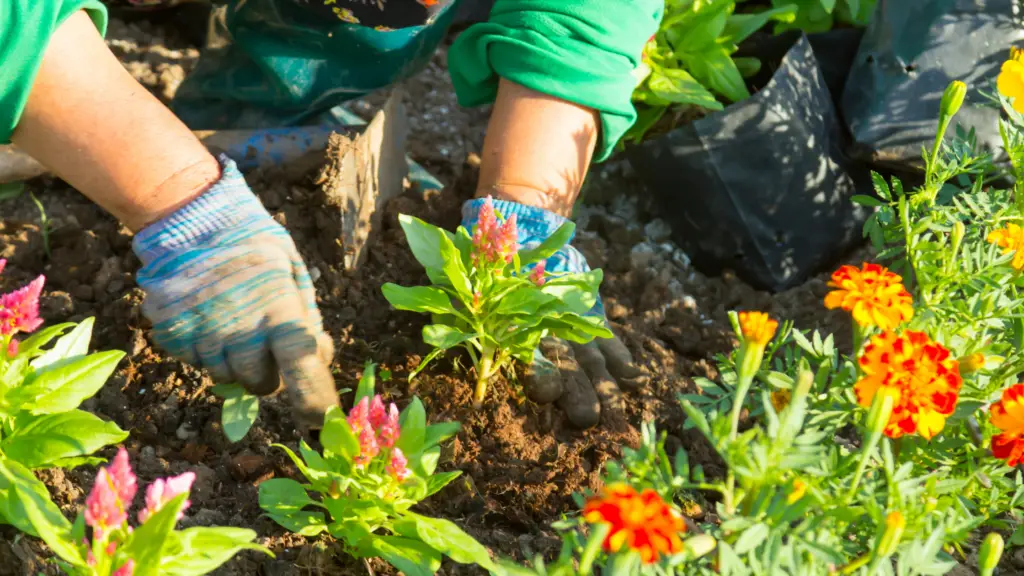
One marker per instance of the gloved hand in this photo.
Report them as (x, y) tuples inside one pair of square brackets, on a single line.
[(584, 379), (226, 290)]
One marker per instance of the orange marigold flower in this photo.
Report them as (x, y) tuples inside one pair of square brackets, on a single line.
[(1010, 239), (872, 294), (1010, 81), (921, 375), (639, 521), (757, 327), (1008, 416)]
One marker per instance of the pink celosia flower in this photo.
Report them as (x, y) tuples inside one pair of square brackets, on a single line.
[(3, 262), (126, 569), (111, 548), (377, 412), (19, 310), (103, 507), (493, 242), (359, 417), (163, 491), (368, 447), (537, 276), (124, 479), (398, 467), (389, 431)]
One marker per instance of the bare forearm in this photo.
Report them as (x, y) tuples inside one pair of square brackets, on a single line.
[(94, 126), (537, 149)]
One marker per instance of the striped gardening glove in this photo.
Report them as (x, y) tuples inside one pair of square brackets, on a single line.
[(226, 290), (583, 378)]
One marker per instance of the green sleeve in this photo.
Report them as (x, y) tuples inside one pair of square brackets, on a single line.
[(583, 51), (25, 30)]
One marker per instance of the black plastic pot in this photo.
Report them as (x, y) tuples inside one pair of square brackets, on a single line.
[(910, 52), (761, 188)]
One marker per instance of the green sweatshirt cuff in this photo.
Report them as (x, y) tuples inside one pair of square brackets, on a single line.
[(582, 51), (25, 30)]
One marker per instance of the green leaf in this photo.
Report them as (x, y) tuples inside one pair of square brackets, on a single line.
[(75, 343), (367, 382), (424, 299), (445, 537), (740, 26), (677, 86), (438, 481), (703, 30), (437, 433), (31, 345), (337, 436), (866, 200), (549, 246), (26, 504), (284, 500), (444, 337), (752, 538), (11, 190), (424, 241), (715, 69), (411, 557), (239, 412), (147, 543), (454, 269), (202, 550), (526, 300), (578, 293), (62, 386), (413, 423), (48, 439)]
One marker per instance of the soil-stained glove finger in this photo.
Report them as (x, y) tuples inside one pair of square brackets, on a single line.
[(578, 400), (627, 374), (543, 380)]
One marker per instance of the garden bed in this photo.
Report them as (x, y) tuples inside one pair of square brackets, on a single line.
[(521, 462)]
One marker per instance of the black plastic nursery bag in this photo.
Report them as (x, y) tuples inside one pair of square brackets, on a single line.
[(762, 187), (910, 52)]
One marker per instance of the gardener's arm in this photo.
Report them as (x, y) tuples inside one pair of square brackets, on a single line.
[(226, 289)]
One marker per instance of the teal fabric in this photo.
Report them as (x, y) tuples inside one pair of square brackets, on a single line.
[(287, 66), (583, 51), (25, 30)]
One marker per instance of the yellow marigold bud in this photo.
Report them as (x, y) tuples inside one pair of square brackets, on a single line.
[(890, 540), (989, 554), (757, 327), (971, 363), (780, 399), (952, 98), (797, 492)]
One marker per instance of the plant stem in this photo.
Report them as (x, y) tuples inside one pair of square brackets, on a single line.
[(742, 387), (943, 125), (484, 372)]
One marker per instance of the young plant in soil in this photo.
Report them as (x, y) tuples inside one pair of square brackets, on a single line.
[(112, 547), (492, 298), (41, 387), (376, 465)]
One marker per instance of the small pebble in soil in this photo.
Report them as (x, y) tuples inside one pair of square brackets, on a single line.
[(314, 273), (657, 230), (186, 432), (641, 256)]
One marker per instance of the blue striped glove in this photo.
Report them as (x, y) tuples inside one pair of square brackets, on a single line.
[(226, 290), (584, 379)]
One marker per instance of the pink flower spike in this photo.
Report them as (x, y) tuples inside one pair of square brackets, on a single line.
[(126, 569), (377, 412), (537, 276), (125, 482), (398, 467), (111, 548), (163, 491), (368, 447), (103, 507), (19, 310), (389, 431), (359, 417), (3, 262)]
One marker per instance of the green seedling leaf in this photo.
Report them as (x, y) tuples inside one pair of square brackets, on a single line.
[(549, 246), (418, 299), (62, 386), (445, 537), (367, 382), (337, 436), (444, 337), (69, 346), (239, 412), (410, 556), (148, 542), (675, 85), (25, 503), (32, 345), (49, 439), (202, 550), (413, 423), (284, 500), (424, 241)]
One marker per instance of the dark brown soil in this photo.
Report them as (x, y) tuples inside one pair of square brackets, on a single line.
[(521, 462)]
